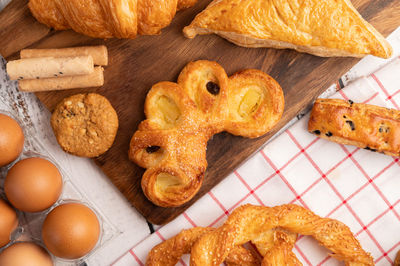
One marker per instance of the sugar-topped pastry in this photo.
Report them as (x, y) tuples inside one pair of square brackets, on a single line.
[(181, 117)]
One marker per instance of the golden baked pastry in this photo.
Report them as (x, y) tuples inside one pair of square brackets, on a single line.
[(273, 232), (106, 18), (323, 28), (269, 244), (169, 252), (171, 143), (363, 125), (397, 259)]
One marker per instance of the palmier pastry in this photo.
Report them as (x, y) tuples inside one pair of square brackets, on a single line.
[(272, 230), (363, 125), (323, 28), (106, 18), (171, 143)]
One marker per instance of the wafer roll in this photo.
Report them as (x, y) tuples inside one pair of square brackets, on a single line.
[(99, 53), (94, 79), (49, 67)]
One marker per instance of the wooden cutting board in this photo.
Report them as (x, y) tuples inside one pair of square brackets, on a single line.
[(135, 65)]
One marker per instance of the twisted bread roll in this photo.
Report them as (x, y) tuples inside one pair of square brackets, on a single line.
[(170, 251), (108, 18), (274, 245), (270, 229), (171, 143), (248, 222)]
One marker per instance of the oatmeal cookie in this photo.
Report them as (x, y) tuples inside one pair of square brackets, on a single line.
[(85, 124)]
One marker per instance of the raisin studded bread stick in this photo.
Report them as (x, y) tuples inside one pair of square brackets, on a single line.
[(95, 79), (49, 67), (366, 126), (99, 53)]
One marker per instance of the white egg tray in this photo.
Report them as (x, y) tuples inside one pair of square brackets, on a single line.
[(30, 224)]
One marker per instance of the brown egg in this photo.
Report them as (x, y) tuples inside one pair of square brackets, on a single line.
[(8, 222), (33, 184), (11, 140), (25, 254), (70, 231)]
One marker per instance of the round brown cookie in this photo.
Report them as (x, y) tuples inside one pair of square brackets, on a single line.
[(85, 124)]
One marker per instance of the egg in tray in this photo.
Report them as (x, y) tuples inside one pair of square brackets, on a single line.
[(45, 218)]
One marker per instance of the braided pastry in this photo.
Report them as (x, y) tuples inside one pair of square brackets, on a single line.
[(170, 251), (108, 18), (248, 222), (272, 244), (171, 143)]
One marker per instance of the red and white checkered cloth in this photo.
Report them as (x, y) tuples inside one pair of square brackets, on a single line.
[(355, 186)]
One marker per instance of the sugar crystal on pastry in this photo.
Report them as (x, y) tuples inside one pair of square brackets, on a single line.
[(183, 116), (272, 231)]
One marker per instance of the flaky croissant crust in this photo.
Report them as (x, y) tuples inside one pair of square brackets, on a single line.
[(108, 18)]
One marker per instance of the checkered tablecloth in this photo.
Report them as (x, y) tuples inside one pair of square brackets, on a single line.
[(356, 186)]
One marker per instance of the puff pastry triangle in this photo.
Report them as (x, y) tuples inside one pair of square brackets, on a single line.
[(320, 27)]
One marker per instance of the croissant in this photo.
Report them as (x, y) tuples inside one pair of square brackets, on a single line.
[(108, 18), (320, 27), (171, 143)]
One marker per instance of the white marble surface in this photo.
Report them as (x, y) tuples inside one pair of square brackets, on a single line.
[(131, 226)]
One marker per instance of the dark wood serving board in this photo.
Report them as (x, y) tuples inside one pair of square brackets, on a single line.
[(135, 65)]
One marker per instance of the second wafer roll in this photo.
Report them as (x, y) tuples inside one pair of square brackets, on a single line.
[(94, 79)]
